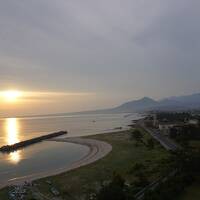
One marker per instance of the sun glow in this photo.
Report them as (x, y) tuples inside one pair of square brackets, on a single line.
[(11, 95), (12, 129)]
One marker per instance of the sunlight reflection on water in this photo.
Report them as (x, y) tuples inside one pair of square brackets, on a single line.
[(12, 130)]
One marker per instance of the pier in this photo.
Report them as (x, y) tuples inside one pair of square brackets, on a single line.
[(19, 145)]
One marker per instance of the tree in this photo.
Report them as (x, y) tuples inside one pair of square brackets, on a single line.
[(114, 190), (141, 180), (137, 135), (118, 180), (150, 143), (136, 168)]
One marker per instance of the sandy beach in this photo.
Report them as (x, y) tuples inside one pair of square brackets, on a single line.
[(97, 150)]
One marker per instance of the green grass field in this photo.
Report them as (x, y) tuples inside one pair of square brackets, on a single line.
[(124, 155)]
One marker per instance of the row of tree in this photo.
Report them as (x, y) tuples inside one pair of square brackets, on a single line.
[(185, 164), (137, 136), (173, 116)]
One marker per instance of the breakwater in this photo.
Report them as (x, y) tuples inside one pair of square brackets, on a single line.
[(22, 144)]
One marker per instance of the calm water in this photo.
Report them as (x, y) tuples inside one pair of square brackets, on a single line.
[(48, 155)]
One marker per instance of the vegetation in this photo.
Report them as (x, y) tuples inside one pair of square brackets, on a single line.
[(169, 189), (185, 133), (173, 116), (136, 161), (180, 172), (90, 181), (192, 192), (184, 163), (151, 143), (138, 137), (116, 189), (186, 166)]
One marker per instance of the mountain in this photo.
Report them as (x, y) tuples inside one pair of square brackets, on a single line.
[(191, 101), (137, 105), (178, 103), (175, 103), (170, 104)]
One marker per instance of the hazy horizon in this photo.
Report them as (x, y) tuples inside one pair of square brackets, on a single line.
[(70, 56)]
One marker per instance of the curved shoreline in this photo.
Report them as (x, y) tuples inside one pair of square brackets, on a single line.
[(97, 150)]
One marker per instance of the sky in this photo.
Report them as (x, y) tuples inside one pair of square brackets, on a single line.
[(80, 55)]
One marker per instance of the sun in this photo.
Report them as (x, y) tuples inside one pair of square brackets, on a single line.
[(11, 95)]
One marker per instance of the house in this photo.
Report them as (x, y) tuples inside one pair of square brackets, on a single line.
[(165, 127), (193, 122)]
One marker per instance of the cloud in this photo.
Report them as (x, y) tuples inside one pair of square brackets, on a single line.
[(116, 48)]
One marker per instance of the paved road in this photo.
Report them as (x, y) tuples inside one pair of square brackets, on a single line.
[(153, 185), (167, 143)]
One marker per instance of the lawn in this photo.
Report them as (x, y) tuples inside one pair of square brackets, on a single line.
[(125, 154)]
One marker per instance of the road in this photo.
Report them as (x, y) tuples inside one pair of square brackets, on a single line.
[(167, 143), (154, 185)]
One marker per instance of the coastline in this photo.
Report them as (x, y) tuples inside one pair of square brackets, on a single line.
[(97, 150)]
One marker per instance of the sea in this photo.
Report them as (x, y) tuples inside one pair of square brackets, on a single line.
[(50, 155)]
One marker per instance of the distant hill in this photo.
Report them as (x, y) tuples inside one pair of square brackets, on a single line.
[(177, 103), (190, 101), (132, 106)]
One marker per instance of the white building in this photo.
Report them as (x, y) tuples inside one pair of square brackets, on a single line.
[(193, 122)]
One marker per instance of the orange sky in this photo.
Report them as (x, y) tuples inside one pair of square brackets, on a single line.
[(37, 102), (99, 53)]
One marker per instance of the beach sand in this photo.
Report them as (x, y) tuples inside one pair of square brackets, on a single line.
[(97, 150)]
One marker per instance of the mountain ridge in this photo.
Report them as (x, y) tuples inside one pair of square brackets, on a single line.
[(175, 103)]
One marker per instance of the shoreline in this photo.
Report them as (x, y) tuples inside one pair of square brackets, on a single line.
[(97, 150)]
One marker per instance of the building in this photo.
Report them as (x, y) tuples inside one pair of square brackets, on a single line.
[(193, 122), (165, 127)]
